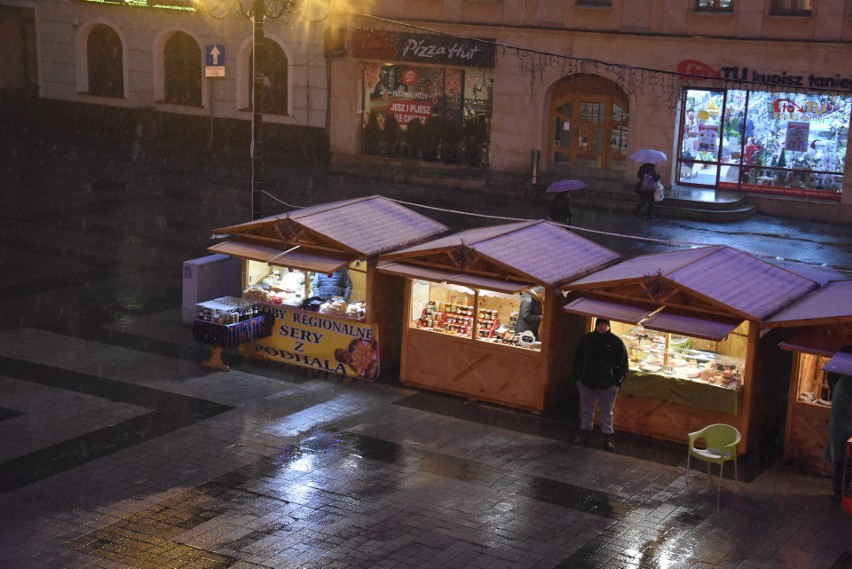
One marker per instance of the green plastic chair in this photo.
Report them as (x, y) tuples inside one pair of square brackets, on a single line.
[(720, 441)]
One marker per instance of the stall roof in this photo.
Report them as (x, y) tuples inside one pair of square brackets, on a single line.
[(708, 328), (294, 259), (610, 310), (721, 275), (364, 226), (472, 281), (534, 251), (831, 304), (841, 362), (655, 318)]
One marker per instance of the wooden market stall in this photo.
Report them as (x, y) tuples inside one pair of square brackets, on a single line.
[(691, 321), (819, 336), (462, 299), (355, 332)]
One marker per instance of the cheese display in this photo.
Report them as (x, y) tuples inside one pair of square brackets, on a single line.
[(671, 355)]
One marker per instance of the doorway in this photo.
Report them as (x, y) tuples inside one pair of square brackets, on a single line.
[(589, 124)]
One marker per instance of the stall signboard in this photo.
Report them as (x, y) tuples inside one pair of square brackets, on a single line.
[(319, 341)]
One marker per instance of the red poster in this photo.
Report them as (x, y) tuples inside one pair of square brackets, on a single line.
[(406, 110)]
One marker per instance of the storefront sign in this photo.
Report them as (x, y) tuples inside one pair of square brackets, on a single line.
[(420, 48), (310, 339), (406, 110), (694, 70)]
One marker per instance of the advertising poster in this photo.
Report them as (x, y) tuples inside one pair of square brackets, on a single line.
[(797, 136), (319, 341)]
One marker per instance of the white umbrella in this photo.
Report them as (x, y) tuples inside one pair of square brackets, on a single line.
[(565, 186), (649, 155)]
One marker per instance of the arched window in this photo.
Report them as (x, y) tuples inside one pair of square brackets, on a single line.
[(105, 62), (182, 70), (275, 70)]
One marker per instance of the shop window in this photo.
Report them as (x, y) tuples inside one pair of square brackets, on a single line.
[(276, 85), (790, 8), (182, 70), (486, 315), (427, 113), (104, 61), (720, 363), (811, 381), (762, 141), (279, 285), (715, 5)]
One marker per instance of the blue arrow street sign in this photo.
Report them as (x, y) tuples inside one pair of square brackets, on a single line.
[(215, 61), (215, 55)]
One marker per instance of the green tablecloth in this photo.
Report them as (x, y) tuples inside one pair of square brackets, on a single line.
[(682, 391)]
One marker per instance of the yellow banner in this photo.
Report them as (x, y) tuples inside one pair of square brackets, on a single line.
[(319, 341)]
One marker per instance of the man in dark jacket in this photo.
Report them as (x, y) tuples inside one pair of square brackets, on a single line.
[(600, 365), (529, 316), (839, 429)]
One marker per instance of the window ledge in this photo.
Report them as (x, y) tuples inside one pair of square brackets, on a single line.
[(792, 14)]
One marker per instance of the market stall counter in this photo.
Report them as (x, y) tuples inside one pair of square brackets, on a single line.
[(483, 313), (696, 355), (313, 272), (228, 322), (819, 337)]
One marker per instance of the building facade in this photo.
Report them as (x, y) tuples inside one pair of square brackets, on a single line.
[(165, 68), (751, 97), (743, 96)]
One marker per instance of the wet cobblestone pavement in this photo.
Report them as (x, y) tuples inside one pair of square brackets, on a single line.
[(119, 449)]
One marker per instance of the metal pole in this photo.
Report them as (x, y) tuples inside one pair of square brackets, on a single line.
[(258, 15)]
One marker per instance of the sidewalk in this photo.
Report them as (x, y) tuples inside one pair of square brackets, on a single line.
[(120, 450)]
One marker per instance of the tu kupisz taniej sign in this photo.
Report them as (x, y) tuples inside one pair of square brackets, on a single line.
[(421, 48)]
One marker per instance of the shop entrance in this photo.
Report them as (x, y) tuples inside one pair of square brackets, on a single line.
[(588, 123)]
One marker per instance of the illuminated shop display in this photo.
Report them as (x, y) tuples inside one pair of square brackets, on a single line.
[(312, 271), (486, 315), (483, 316), (762, 141)]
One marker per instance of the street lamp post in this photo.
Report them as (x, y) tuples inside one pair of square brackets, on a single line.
[(258, 11), (258, 14)]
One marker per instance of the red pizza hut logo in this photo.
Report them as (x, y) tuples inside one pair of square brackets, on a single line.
[(692, 69), (410, 77)]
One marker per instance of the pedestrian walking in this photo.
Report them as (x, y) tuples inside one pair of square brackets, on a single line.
[(600, 366), (839, 429), (560, 208), (645, 188)]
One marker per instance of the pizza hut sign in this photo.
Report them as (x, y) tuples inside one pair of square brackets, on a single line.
[(422, 48)]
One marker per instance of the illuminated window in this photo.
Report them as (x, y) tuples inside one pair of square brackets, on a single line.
[(715, 5), (104, 62), (276, 84), (182, 65), (791, 8)]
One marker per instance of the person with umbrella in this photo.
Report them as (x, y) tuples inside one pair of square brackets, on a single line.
[(649, 177), (560, 207), (645, 188)]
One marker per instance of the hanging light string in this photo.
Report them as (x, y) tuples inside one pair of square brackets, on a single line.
[(666, 85)]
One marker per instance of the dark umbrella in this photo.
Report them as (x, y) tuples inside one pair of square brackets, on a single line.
[(565, 186), (650, 156)]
